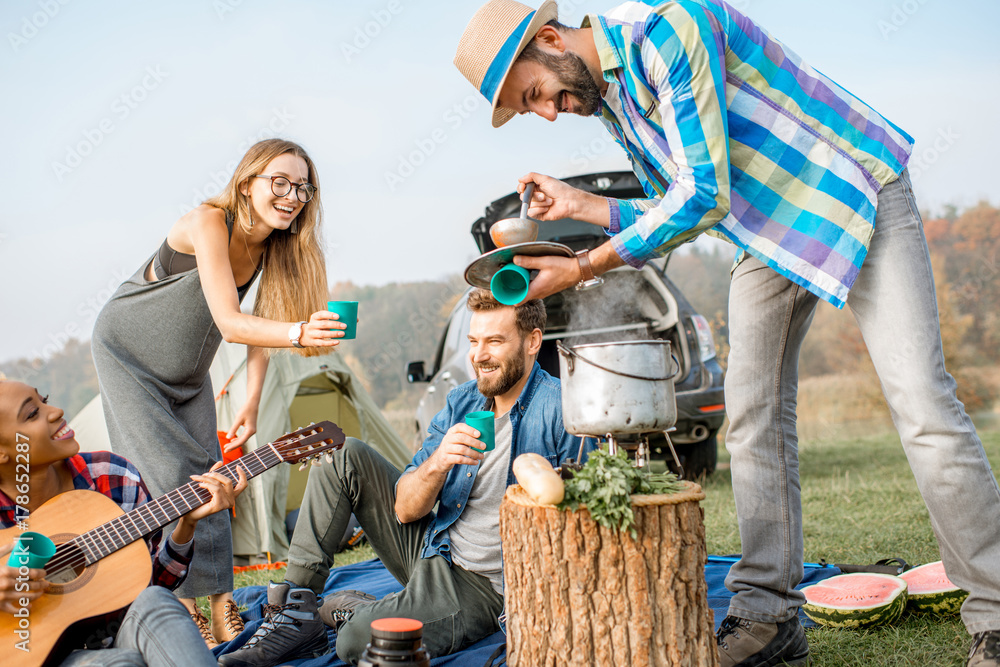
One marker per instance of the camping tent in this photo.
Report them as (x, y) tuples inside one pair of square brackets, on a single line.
[(297, 390)]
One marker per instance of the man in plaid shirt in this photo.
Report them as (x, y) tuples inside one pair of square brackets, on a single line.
[(157, 629), (732, 134)]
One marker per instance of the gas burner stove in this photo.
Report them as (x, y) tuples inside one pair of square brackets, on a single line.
[(636, 444)]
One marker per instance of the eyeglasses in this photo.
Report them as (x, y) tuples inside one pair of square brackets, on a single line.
[(281, 186)]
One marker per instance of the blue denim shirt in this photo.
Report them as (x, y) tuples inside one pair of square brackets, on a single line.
[(536, 426)]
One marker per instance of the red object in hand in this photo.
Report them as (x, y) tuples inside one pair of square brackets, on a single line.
[(228, 457)]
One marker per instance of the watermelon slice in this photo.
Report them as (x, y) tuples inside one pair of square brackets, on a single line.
[(929, 589), (855, 600)]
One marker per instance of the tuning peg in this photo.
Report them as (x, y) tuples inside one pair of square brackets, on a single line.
[(315, 461), (329, 457), (304, 466)]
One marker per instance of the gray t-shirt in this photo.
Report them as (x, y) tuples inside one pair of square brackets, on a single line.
[(475, 535)]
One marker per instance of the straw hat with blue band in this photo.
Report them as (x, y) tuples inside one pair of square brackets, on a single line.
[(495, 36)]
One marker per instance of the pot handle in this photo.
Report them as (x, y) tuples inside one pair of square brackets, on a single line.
[(570, 353)]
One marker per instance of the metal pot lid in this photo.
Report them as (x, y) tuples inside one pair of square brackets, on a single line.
[(480, 272), (568, 353)]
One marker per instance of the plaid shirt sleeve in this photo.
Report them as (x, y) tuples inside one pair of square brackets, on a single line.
[(681, 57), (119, 480)]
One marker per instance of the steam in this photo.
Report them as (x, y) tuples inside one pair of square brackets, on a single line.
[(623, 299)]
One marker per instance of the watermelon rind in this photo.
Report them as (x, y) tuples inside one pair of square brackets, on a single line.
[(855, 600), (930, 590)]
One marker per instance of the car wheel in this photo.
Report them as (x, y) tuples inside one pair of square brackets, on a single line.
[(698, 458), (701, 457)]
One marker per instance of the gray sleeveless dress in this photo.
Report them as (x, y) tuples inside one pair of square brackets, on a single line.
[(153, 344)]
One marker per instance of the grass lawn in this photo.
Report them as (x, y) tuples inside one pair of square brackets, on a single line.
[(860, 504)]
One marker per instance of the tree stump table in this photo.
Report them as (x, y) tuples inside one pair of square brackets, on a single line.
[(580, 594)]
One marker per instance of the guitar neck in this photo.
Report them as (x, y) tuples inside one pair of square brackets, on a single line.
[(150, 517)]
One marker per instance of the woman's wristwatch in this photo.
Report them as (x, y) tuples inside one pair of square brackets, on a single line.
[(587, 278), (295, 333)]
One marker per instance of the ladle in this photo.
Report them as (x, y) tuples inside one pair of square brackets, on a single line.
[(516, 230)]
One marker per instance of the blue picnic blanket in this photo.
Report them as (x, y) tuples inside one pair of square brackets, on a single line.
[(371, 577)]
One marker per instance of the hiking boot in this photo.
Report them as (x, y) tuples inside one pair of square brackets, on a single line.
[(744, 643), (204, 628), (291, 630), (230, 624), (339, 607), (985, 651)]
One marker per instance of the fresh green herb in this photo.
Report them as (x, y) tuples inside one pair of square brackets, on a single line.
[(605, 486)]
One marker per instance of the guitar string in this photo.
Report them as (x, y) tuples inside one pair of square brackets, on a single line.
[(72, 554), (59, 563)]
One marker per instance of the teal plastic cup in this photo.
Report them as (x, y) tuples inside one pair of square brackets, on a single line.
[(483, 422), (510, 284), (348, 313), (31, 550)]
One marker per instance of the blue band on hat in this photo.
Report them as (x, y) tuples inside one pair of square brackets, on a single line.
[(498, 68)]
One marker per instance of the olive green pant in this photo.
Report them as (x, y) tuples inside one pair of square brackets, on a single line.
[(457, 607)]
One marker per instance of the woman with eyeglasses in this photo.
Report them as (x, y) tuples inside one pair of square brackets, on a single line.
[(155, 339)]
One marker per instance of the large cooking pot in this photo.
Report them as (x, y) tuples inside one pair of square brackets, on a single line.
[(619, 388)]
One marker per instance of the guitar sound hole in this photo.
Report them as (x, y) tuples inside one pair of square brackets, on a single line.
[(66, 566)]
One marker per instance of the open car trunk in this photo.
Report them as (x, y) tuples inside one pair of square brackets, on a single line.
[(630, 305)]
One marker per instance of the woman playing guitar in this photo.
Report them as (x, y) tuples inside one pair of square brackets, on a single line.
[(157, 630)]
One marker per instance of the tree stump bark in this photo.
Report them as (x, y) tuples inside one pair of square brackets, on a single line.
[(580, 594)]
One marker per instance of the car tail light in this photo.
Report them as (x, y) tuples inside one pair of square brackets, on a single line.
[(706, 342)]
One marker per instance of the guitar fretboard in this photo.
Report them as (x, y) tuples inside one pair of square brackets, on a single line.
[(150, 517)]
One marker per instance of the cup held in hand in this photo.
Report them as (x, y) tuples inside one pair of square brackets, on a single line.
[(31, 550), (509, 284), (483, 422), (347, 311)]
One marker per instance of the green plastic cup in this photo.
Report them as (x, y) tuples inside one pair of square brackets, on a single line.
[(483, 422), (509, 284), (348, 313), (31, 550)]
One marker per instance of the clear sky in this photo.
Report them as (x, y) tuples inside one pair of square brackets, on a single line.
[(118, 116)]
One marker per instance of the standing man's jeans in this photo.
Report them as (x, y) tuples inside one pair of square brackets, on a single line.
[(157, 631), (893, 301), (457, 607)]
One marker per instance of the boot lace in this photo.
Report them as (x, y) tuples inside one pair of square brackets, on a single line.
[(273, 619), (731, 628), (203, 627), (341, 615), (234, 622)]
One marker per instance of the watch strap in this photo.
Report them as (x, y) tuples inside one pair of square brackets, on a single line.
[(586, 270), (292, 338)]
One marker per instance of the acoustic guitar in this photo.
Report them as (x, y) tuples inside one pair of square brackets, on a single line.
[(103, 570)]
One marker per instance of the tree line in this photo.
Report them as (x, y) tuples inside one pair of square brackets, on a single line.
[(403, 322)]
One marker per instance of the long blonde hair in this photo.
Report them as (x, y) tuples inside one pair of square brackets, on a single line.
[(293, 280)]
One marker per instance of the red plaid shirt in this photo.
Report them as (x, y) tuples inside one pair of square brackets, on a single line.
[(119, 480)]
